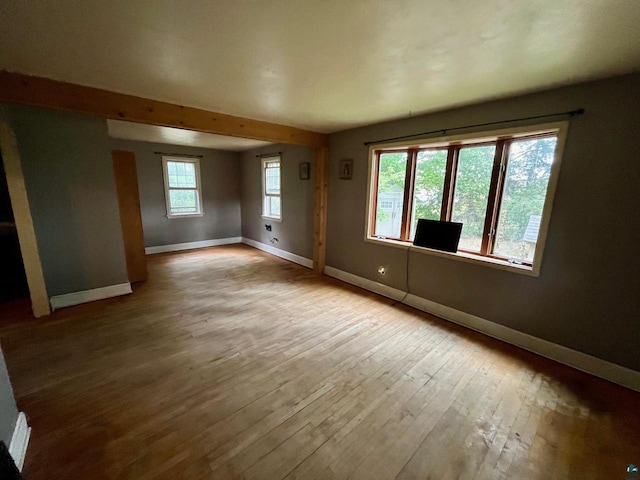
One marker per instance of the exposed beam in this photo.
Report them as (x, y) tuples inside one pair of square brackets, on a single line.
[(320, 211), (41, 92)]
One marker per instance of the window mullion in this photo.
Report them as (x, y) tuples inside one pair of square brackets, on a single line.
[(407, 203), (374, 196), (495, 188), (449, 184), (499, 193)]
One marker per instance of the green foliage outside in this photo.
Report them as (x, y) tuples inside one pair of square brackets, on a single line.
[(391, 179), (431, 167), (524, 191), (183, 201), (473, 180)]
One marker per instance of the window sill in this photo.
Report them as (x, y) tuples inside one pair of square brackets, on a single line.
[(186, 215), (271, 219), (460, 256)]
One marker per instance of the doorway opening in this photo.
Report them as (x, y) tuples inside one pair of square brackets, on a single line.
[(13, 279)]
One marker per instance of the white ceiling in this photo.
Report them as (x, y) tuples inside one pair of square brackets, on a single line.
[(177, 136), (324, 65)]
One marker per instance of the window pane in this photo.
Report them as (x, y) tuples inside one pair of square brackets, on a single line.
[(525, 189), (391, 177), (271, 193), (190, 180), (431, 167), (181, 174), (183, 201), (275, 206), (272, 206), (473, 179), (272, 178)]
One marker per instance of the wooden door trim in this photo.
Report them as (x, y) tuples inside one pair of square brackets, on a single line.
[(24, 222), (320, 210), (128, 197)]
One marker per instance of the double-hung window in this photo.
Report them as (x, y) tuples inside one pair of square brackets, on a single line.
[(182, 186), (499, 185), (271, 191)]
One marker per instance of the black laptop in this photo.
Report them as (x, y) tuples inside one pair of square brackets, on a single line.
[(438, 235)]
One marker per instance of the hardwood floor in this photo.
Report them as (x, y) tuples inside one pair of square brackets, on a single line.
[(231, 363)]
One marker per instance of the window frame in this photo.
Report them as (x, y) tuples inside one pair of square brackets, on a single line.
[(198, 188), (453, 143), (263, 173)]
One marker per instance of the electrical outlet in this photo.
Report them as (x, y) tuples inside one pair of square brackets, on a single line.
[(267, 227), (382, 270)]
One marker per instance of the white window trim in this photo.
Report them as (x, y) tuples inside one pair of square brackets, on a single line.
[(560, 128), (198, 189), (263, 171)]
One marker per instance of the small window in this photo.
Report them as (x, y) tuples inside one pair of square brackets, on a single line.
[(271, 194), (182, 186)]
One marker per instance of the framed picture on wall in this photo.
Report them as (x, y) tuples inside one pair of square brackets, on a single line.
[(304, 170), (346, 169)]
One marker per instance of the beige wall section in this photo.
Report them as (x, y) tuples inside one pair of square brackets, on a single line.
[(24, 222), (295, 231), (586, 297)]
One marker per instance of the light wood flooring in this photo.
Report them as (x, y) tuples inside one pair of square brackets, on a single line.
[(231, 363)]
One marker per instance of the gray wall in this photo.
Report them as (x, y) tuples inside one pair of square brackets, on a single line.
[(8, 409), (587, 295), (66, 160), (220, 176), (295, 231)]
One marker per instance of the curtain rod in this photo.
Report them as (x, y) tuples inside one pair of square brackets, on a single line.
[(178, 154), (274, 154), (572, 113)]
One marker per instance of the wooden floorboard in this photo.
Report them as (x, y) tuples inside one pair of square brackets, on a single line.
[(231, 363)]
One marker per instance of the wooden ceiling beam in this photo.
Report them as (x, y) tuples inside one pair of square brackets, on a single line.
[(41, 92)]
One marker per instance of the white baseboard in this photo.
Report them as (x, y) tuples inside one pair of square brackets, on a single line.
[(578, 360), (191, 245), (75, 298), (292, 257), (384, 290), (20, 440)]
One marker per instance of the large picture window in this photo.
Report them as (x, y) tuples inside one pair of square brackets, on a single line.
[(182, 186), (496, 186)]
